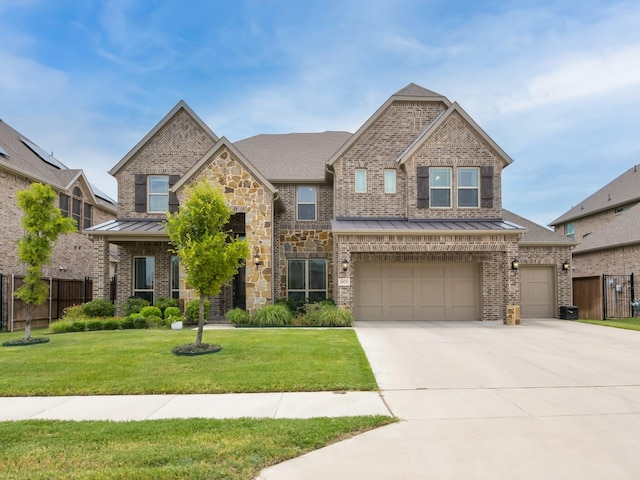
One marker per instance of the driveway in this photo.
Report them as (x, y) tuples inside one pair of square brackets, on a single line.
[(549, 399)]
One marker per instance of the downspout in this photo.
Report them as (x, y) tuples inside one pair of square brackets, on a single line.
[(276, 196)]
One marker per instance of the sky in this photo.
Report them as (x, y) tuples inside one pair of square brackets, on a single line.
[(556, 83)]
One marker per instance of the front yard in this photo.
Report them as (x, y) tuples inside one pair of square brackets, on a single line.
[(140, 361), (626, 323)]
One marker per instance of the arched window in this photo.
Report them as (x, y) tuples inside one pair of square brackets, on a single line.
[(76, 206)]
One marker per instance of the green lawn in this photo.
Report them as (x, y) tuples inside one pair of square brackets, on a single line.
[(626, 323), (168, 449), (141, 362)]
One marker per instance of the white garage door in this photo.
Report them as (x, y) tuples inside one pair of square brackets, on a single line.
[(536, 292), (417, 291)]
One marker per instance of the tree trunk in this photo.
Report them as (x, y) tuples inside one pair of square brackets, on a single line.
[(200, 321), (27, 324)]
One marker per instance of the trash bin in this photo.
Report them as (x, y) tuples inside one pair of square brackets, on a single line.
[(568, 312)]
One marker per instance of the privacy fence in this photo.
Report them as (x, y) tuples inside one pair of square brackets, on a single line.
[(605, 297), (63, 293)]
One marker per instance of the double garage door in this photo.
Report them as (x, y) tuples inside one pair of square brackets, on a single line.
[(417, 291)]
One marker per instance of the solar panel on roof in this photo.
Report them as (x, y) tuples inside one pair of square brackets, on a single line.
[(101, 194), (43, 154), (3, 151)]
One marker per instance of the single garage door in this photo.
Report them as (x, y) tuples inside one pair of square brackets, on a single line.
[(417, 291), (537, 299)]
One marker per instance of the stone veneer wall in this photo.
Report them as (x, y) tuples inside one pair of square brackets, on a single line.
[(245, 194), (500, 285)]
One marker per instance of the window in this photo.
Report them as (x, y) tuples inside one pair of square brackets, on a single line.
[(468, 186), (307, 280), (158, 189), (175, 277), (306, 203), (144, 270), (361, 180), (64, 205), (570, 230), (440, 187), (389, 180), (87, 210), (76, 206)]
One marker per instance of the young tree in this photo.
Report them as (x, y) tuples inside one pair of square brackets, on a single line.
[(210, 254), (43, 224)]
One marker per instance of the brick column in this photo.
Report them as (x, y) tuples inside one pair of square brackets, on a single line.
[(101, 280)]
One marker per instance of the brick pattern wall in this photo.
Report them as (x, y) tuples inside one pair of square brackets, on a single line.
[(589, 224), (614, 261), (500, 285), (172, 151), (378, 148)]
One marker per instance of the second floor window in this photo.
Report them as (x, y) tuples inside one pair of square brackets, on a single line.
[(76, 207), (468, 186), (87, 215), (158, 192), (306, 202), (361, 180), (389, 180), (440, 187), (570, 230)]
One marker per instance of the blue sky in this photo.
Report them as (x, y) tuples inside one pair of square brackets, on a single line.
[(555, 83)]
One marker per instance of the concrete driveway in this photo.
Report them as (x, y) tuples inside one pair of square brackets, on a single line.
[(549, 399)]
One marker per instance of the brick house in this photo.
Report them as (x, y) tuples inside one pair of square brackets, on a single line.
[(606, 227), (401, 220), (22, 162)]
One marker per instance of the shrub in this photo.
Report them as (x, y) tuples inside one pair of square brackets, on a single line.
[(133, 305), (328, 315), (126, 323), (150, 311), (165, 302), (295, 306), (61, 326), (272, 316), (94, 325), (73, 312), (140, 323), (238, 316), (172, 312), (155, 321), (100, 307), (78, 326), (111, 324), (191, 311)]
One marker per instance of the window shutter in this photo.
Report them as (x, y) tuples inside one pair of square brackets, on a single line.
[(423, 187), (173, 198), (141, 193), (486, 187)]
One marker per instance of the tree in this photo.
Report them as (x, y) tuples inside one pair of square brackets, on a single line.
[(210, 254), (43, 224)]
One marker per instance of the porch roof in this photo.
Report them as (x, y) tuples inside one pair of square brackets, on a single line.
[(131, 229), (370, 226)]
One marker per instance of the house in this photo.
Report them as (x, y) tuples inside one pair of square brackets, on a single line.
[(401, 220), (606, 227), (23, 162)]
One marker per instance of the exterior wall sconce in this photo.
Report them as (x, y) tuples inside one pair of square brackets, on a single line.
[(345, 265), (566, 265), (515, 264), (63, 268), (256, 259)]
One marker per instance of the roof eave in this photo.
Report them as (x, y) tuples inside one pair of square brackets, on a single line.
[(424, 233)]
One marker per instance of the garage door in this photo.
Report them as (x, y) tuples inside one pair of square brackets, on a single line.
[(537, 299), (409, 291)]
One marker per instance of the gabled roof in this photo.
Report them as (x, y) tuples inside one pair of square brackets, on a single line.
[(181, 105), (292, 157), (25, 158), (223, 142), (438, 121), (624, 229), (537, 234), (623, 190), (411, 92)]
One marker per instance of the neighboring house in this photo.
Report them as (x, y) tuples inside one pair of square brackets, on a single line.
[(22, 162), (401, 220), (606, 226)]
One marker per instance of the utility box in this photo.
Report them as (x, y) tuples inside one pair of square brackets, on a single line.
[(568, 312)]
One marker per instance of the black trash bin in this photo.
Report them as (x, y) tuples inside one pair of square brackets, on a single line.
[(569, 312)]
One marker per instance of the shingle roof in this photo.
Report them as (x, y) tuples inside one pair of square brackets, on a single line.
[(536, 234), (624, 229), (623, 190), (292, 156), (413, 90)]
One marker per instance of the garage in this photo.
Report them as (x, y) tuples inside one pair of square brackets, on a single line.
[(417, 291), (537, 289)]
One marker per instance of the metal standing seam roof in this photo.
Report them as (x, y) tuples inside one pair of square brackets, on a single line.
[(404, 226), (129, 227)]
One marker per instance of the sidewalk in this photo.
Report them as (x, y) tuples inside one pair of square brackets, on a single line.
[(156, 407)]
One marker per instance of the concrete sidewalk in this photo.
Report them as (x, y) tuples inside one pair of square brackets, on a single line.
[(156, 407)]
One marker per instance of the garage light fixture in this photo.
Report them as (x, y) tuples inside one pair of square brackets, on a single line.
[(566, 265), (345, 265), (256, 259), (515, 264)]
